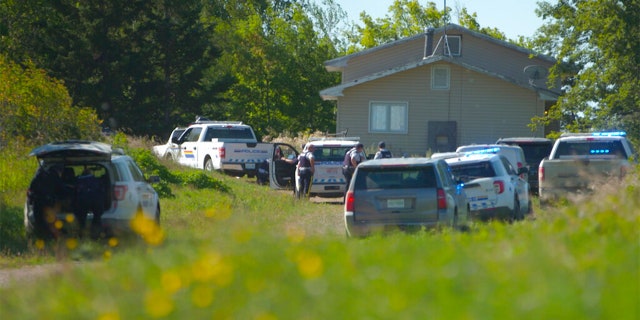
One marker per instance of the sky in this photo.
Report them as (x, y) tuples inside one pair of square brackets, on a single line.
[(512, 17)]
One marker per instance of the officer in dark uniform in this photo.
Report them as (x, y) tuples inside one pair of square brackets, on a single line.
[(46, 192), (89, 198)]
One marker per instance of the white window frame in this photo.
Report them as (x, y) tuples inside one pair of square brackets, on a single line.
[(388, 121), (436, 80), (454, 39)]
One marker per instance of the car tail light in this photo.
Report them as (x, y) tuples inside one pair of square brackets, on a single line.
[(119, 192), (348, 201), (442, 199), (498, 186), (222, 153), (540, 173), (519, 165)]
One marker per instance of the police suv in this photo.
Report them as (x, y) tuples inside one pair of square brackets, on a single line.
[(493, 186), (328, 180)]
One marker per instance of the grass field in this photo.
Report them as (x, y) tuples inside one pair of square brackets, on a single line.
[(248, 252)]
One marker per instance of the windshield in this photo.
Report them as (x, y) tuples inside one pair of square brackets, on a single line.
[(534, 153), (326, 154), (591, 148), (470, 171), (396, 178)]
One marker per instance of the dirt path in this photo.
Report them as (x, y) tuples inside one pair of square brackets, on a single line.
[(33, 273)]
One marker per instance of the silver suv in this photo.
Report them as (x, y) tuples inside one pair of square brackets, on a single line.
[(78, 180), (403, 193)]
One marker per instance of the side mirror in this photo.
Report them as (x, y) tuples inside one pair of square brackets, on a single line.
[(523, 170), (153, 179)]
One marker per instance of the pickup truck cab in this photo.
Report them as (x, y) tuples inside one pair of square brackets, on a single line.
[(169, 150), (227, 146), (535, 149), (583, 162)]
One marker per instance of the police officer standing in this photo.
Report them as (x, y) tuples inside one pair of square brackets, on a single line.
[(306, 168), (46, 192), (352, 158), (382, 151)]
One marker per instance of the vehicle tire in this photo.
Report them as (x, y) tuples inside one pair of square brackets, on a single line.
[(454, 221), (208, 165), (517, 211)]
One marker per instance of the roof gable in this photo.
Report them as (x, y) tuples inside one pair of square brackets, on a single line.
[(481, 53)]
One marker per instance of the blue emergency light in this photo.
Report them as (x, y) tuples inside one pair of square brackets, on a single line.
[(599, 151), (609, 134), (483, 151)]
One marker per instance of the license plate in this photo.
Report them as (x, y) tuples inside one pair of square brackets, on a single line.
[(250, 165), (333, 171), (395, 203)]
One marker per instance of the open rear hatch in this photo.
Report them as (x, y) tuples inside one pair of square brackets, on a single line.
[(72, 151)]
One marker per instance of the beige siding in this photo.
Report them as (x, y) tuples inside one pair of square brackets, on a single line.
[(484, 107), (475, 51), (384, 59)]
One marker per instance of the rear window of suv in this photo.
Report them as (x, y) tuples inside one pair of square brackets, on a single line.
[(591, 148), (326, 154), (475, 170), (228, 133), (396, 178)]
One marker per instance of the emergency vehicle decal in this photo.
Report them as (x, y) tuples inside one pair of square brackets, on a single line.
[(329, 181), (188, 154), (241, 160)]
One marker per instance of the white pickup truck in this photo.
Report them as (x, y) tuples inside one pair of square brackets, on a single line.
[(169, 150), (583, 163), (228, 146)]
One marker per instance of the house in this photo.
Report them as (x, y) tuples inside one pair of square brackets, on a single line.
[(435, 91)]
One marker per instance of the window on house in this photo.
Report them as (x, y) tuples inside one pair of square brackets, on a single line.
[(455, 45), (389, 117), (440, 78)]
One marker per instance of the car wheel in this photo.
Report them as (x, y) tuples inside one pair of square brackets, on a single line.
[(157, 218), (454, 221), (517, 212), (208, 165)]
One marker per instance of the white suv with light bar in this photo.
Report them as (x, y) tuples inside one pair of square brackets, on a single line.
[(494, 188), (328, 179), (126, 191)]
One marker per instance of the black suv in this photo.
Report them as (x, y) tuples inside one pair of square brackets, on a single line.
[(535, 149)]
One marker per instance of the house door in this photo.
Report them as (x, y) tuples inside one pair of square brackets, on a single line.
[(442, 136)]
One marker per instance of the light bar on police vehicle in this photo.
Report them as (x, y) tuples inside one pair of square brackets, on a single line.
[(610, 134), (483, 151), (595, 134)]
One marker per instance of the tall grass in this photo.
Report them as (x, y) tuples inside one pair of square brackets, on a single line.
[(249, 252)]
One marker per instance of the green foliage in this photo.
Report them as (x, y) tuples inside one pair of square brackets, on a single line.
[(148, 66), (139, 64), (569, 263), (200, 180), (408, 18), (38, 108), (598, 53), (276, 58), (573, 261)]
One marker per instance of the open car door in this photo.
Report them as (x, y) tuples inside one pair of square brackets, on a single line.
[(282, 167)]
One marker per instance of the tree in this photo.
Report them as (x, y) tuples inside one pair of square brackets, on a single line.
[(407, 18), (597, 47), (38, 108), (276, 58), (139, 63)]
